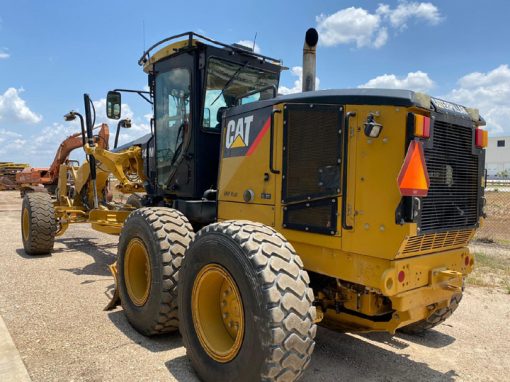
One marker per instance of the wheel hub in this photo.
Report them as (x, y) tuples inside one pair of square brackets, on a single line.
[(217, 312), (26, 224), (137, 271)]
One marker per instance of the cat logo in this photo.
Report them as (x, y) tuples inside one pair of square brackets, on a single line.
[(238, 133)]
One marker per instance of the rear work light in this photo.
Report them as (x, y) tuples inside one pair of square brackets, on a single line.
[(481, 138), (421, 126), (413, 179)]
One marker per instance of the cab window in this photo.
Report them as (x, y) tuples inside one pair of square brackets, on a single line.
[(172, 113), (228, 81)]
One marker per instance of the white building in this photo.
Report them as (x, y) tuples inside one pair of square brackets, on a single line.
[(497, 159)]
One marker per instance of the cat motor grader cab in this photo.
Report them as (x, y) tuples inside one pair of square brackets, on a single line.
[(266, 215)]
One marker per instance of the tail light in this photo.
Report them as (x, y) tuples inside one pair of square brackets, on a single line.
[(481, 138), (413, 179), (421, 126)]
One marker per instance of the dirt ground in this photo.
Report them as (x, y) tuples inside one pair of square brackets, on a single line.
[(53, 308)]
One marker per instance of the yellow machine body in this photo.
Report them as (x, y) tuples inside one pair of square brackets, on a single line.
[(369, 269), (367, 259), (75, 193)]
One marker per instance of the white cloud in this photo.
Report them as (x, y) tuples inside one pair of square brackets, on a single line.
[(297, 71), (39, 148), (249, 44), (46, 141), (4, 54), (382, 37), (417, 81), (349, 25), (13, 109), (405, 11), (10, 141), (489, 92), (358, 26)]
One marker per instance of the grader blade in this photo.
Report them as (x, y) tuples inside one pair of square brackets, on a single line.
[(115, 299)]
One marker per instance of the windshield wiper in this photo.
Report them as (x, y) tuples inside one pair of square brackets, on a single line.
[(229, 82)]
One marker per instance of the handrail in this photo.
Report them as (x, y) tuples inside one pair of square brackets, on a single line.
[(271, 144), (344, 169), (145, 56)]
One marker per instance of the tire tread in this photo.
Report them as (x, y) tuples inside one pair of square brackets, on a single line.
[(436, 318), (173, 233), (42, 223), (288, 298)]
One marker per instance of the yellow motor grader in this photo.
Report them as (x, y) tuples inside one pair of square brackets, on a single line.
[(265, 215)]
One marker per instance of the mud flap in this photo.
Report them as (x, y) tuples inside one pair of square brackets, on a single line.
[(115, 299)]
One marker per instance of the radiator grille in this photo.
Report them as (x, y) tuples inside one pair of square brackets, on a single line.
[(431, 242), (312, 152), (452, 201)]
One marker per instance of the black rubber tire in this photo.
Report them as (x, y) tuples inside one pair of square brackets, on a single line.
[(279, 317), (436, 318), (166, 234), (42, 223), (134, 200)]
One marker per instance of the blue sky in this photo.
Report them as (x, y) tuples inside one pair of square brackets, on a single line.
[(53, 51)]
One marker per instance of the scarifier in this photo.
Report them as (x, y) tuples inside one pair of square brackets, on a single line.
[(265, 215)]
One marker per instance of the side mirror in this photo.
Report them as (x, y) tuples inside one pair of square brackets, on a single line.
[(219, 114), (113, 102)]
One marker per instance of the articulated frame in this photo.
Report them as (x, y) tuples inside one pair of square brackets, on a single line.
[(75, 194)]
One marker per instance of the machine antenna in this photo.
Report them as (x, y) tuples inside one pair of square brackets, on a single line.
[(254, 39), (143, 34)]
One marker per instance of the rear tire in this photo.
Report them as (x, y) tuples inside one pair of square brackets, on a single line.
[(275, 302), (38, 224), (436, 318), (153, 239)]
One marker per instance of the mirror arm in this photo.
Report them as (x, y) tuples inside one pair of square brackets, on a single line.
[(141, 93)]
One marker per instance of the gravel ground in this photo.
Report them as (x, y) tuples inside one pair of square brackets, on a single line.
[(53, 307)]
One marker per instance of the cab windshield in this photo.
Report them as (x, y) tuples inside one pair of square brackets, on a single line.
[(228, 81)]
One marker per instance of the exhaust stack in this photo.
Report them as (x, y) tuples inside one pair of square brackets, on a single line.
[(309, 59)]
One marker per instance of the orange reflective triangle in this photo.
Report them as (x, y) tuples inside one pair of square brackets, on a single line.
[(413, 179)]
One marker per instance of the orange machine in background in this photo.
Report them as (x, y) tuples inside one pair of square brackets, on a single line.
[(45, 179)]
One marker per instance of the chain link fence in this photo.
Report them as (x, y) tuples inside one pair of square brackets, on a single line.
[(496, 227)]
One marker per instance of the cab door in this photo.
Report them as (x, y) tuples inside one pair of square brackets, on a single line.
[(173, 123)]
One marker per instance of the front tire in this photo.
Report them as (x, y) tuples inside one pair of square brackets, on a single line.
[(38, 224), (245, 306), (151, 248)]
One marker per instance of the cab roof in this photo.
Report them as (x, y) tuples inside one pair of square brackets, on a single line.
[(189, 40)]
